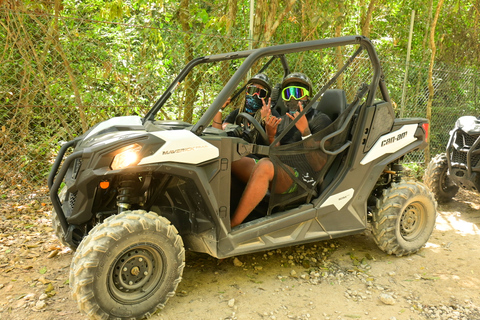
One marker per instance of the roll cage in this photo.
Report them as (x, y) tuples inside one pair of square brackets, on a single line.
[(252, 56)]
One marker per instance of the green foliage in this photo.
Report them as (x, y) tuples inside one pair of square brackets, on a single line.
[(65, 69), (414, 170)]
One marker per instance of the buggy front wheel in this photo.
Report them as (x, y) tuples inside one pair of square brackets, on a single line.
[(437, 179), (404, 218), (127, 267)]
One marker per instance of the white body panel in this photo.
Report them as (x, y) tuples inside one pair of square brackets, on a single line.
[(339, 200), (391, 142), (117, 121), (181, 146)]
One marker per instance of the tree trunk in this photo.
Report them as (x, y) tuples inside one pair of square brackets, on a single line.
[(430, 75), (271, 25), (338, 53), (265, 23), (190, 84), (368, 19)]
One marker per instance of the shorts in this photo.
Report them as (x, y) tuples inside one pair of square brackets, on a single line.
[(294, 185)]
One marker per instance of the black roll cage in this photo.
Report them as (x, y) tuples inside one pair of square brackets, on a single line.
[(251, 56)]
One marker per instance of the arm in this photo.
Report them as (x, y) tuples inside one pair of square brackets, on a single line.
[(217, 119)]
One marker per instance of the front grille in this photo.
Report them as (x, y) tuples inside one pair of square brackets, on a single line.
[(459, 156), (76, 167), (464, 140), (463, 144), (72, 199)]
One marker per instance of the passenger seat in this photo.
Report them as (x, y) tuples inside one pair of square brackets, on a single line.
[(333, 102)]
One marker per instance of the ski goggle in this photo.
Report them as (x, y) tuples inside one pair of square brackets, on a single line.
[(296, 93), (252, 90)]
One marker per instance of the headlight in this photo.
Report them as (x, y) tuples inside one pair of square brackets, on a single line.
[(127, 157)]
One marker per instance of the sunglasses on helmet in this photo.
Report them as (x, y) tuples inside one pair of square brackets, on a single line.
[(252, 90), (294, 92)]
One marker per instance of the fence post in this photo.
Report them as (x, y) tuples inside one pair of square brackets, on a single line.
[(406, 63)]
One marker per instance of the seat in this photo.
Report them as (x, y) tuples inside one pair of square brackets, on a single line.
[(332, 103)]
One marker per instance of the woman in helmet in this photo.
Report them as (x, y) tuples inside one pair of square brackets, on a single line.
[(296, 90), (257, 91)]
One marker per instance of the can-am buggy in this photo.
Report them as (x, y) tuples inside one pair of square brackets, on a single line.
[(459, 166), (136, 192)]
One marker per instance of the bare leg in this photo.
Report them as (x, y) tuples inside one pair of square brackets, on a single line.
[(243, 168), (257, 188)]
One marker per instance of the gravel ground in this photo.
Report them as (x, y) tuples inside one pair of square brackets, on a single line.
[(346, 278)]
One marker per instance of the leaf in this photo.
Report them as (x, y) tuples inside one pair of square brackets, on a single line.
[(43, 280), (49, 288), (43, 270)]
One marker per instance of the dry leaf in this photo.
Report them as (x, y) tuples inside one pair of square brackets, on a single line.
[(52, 254), (43, 280)]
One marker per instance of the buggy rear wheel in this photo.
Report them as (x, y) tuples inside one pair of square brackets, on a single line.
[(404, 218), (127, 267), (437, 179)]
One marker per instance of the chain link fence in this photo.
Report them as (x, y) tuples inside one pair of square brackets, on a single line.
[(59, 76)]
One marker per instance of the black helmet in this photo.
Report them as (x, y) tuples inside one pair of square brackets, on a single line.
[(262, 79), (299, 79)]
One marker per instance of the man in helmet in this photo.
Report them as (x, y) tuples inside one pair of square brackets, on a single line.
[(296, 90)]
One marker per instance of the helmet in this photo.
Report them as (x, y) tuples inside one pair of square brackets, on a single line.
[(262, 79), (298, 78)]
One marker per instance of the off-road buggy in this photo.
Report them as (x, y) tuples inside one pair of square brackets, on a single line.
[(136, 192), (459, 166)]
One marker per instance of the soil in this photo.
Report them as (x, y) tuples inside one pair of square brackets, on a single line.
[(346, 278)]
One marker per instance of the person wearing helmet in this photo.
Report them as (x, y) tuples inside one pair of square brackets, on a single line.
[(296, 91), (257, 91)]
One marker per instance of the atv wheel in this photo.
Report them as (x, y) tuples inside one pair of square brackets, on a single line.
[(404, 218), (127, 267), (436, 178)]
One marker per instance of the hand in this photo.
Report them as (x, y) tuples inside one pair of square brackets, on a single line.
[(266, 109), (271, 125), (226, 103), (302, 123)]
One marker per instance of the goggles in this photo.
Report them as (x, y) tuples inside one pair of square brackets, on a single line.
[(252, 90), (296, 93)]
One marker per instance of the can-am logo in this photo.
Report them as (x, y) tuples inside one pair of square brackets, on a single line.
[(394, 139)]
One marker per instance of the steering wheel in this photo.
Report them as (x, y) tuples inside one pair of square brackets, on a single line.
[(252, 130)]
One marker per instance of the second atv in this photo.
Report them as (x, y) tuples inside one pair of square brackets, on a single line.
[(459, 166)]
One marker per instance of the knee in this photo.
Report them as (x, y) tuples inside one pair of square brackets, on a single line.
[(264, 167)]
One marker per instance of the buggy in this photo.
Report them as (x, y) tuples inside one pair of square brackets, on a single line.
[(133, 193), (459, 166)]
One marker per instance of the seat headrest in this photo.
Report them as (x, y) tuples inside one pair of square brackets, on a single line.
[(333, 103)]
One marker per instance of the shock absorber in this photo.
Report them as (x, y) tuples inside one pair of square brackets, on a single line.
[(125, 195), (398, 168)]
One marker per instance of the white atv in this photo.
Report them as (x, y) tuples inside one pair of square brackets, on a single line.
[(136, 192)]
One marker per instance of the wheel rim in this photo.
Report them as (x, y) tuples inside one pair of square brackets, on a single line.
[(445, 181), (136, 273), (412, 221)]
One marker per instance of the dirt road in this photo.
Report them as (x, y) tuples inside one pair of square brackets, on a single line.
[(347, 278)]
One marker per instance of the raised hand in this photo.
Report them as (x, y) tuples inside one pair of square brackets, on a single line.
[(302, 123), (266, 109)]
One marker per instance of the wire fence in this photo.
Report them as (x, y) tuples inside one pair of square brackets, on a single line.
[(59, 76)]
